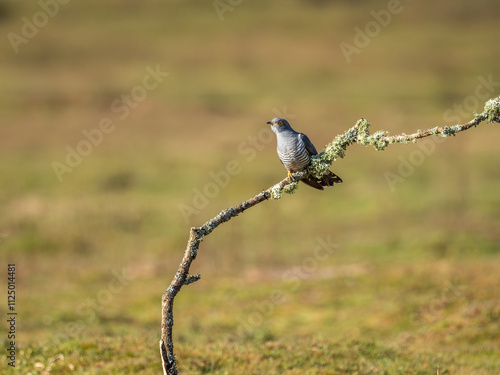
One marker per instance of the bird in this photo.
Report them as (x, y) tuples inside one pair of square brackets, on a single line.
[(295, 150)]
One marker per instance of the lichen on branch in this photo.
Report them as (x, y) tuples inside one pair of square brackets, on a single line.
[(320, 164), (360, 134)]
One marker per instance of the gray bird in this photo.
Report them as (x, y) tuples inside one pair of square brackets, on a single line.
[(295, 150)]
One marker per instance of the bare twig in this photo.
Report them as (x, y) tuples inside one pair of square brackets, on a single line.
[(182, 276), (360, 134)]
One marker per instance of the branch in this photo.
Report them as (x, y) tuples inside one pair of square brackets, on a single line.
[(320, 163), (380, 140), (182, 276)]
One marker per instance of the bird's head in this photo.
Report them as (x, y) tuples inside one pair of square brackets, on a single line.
[(279, 125)]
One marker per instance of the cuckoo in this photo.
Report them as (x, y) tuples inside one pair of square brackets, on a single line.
[(295, 150)]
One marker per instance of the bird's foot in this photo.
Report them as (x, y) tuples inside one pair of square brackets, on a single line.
[(289, 176)]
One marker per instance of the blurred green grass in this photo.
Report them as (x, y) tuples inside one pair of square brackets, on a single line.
[(412, 285)]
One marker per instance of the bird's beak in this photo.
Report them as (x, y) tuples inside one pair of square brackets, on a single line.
[(269, 123)]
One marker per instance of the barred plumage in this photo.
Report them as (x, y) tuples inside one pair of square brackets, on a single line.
[(295, 150), (296, 157)]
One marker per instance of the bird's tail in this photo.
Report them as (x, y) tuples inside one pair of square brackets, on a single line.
[(328, 180)]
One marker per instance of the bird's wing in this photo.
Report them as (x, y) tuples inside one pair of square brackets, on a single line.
[(309, 146)]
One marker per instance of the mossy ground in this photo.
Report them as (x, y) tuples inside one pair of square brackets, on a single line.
[(409, 283)]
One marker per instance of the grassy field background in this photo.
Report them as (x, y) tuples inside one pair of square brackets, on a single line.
[(370, 277)]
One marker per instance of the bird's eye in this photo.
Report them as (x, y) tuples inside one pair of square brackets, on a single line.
[(280, 122)]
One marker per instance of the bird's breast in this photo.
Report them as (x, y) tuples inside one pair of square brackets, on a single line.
[(293, 154)]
